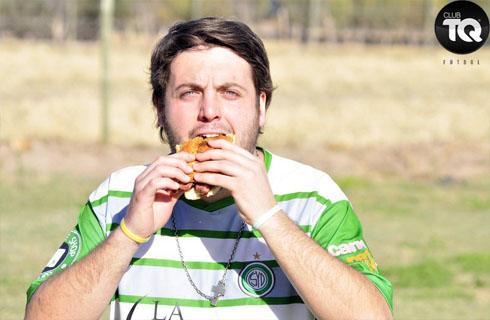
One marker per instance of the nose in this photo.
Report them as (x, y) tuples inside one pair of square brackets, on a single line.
[(210, 108)]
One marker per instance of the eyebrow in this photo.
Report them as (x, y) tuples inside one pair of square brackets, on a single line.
[(189, 85), (232, 84), (197, 86)]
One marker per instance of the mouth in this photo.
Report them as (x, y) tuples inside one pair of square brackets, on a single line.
[(210, 134)]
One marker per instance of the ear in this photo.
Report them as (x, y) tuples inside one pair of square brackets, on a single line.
[(262, 109)]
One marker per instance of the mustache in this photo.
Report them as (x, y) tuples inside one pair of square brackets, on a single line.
[(209, 128)]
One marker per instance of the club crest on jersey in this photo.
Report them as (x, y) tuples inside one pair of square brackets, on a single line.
[(65, 256), (256, 279)]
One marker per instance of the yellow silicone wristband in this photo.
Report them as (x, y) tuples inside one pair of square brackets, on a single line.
[(131, 235)]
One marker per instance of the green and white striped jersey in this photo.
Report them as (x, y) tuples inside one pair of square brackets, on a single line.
[(155, 285)]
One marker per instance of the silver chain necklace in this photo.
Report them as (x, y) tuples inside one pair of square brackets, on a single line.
[(220, 287)]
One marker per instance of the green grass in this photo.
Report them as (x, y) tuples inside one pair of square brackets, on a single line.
[(478, 263), (433, 242), (430, 239), (36, 213), (429, 274)]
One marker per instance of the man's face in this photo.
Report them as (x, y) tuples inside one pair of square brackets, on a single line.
[(211, 90)]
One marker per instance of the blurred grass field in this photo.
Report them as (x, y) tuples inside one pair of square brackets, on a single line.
[(405, 136), (350, 95)]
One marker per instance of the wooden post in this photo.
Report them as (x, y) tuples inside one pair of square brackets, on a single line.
[(72, 18), (106, 20), (305, 23), (314, 16), (429, 18)]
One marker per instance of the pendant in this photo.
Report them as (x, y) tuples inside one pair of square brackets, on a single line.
[(219, 291), (214, 301)]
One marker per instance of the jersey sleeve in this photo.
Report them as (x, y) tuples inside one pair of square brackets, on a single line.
[(339, 231), (82, 239)]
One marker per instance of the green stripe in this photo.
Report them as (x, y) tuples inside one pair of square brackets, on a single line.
[(209, 206), (303, 195), (238, 265), (207, 304), (213, 234), (112, 193)]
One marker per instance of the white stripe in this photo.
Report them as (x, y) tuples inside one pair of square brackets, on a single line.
[(203, 249), (123, 179)]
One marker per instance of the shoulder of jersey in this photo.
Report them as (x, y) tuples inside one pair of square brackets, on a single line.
[(290, 176), (120, 180)]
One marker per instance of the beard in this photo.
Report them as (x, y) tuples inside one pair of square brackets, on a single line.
[(246, 140)]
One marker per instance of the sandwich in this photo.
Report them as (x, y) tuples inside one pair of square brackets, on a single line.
[(197, 145)]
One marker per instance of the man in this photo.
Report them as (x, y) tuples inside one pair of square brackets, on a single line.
[(139, 242)]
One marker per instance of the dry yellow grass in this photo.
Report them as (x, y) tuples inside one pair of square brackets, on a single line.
[(348, 96)]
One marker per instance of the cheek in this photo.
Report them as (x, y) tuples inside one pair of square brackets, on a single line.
[(242, 118), (177, 112), (234, 116), (175, 117), (243, 110), (180, 121)]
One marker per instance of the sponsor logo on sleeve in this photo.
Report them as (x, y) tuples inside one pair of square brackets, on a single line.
[(65, 256), (357, 247), (346, 248), (366, 258)]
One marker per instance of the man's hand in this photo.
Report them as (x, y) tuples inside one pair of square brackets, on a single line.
[(156, 190), (243, 174)]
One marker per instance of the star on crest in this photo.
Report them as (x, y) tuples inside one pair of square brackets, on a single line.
[(257, 255)]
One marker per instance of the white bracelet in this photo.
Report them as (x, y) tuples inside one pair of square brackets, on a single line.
[(266, 216)]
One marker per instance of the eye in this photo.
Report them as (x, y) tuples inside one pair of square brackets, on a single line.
[(231, 94), (188, 94)]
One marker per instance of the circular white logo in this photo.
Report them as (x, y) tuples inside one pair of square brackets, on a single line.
[(256, 279), (462, 27)]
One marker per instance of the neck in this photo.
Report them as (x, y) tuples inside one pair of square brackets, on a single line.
[(224, 193)]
